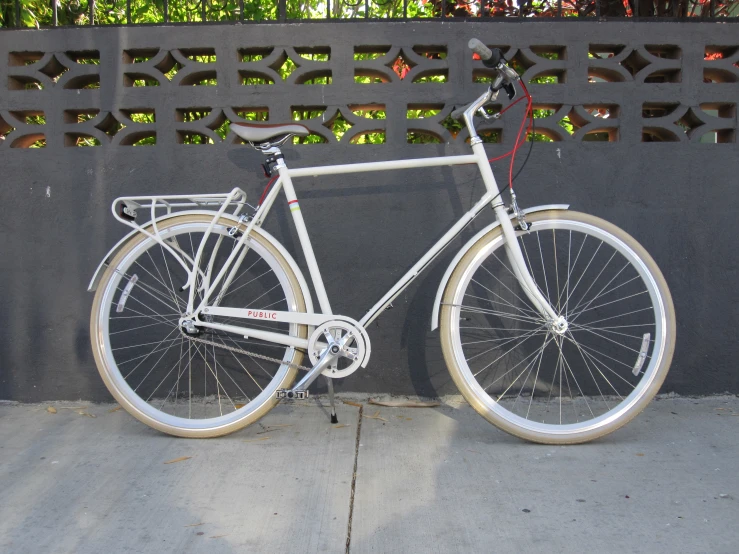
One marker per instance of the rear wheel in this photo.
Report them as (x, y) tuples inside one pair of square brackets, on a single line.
[(163, 377), (546, 386)]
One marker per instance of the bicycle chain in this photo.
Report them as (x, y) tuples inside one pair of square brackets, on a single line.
[(241, 351)]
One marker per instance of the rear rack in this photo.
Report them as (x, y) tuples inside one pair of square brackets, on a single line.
[(125, 209)]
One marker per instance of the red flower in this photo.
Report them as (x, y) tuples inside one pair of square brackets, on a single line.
[(401, 68)]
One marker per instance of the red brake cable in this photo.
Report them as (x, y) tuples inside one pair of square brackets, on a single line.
[(269, 184), (519, 140)]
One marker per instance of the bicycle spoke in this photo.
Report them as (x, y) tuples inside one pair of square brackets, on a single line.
[(525, 302), (579, 328), (526, 337), (609, 303), (142, 327), (208, 369), (601, 291), (158, 349), (556, 269), (142, 315), (543, 268), (566, 365), (593, 281), (589, 352), (501, 300), (223, 294), (529, 366), (164, 317), (170, 292), (514, 317), (164, 352), (530, 268), (536, 378), (570, 271), (267, 373), (595, 381), (247, 283), (263, 294), (156, 297), (176, 364), (163, 297), (507, 372), (567, 301), (621, 316)]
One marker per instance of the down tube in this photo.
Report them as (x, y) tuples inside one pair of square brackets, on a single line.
[(427, 258)]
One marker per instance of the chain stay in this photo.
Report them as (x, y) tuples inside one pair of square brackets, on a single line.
[(240, 351)]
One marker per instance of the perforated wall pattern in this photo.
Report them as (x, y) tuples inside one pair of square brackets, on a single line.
[(89, 114)]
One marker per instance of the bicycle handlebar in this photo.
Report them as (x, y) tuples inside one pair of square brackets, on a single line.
[(490, 58), (493, 59)]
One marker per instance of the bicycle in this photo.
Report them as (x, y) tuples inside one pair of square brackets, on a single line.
[(556, 326)]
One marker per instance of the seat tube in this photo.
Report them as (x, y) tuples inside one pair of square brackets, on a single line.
[(512, 247), (305, 243)]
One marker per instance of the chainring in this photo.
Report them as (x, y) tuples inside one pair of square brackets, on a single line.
[(348, 337)]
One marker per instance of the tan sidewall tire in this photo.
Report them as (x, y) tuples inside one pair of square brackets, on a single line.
[(505, 425), (121, 398)]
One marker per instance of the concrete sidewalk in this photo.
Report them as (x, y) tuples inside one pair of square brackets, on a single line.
[(427, 480)]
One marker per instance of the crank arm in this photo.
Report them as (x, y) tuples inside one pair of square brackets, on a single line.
[(316, 370)]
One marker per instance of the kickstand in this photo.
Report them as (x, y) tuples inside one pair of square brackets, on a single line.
[(330, 383)]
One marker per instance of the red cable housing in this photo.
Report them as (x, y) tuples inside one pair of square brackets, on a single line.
[(519, 140), (269, 184)]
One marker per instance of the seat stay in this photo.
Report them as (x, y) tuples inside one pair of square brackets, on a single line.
[(231, 264)]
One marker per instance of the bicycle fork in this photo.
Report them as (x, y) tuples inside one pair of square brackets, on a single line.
[(556, 322)]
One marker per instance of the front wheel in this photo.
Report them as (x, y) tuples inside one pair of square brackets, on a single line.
[(551, 385)]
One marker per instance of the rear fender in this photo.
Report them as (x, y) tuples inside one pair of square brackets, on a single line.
[(273, 241)]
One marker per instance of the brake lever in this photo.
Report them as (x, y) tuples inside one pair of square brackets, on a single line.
[(510, 90)]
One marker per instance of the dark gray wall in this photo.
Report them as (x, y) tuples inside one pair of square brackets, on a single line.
[(678, 198)]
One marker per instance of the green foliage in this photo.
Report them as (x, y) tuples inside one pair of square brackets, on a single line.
[(36, 119), (38, 13)]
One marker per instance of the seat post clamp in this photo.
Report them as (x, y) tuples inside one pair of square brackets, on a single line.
[(269, 164)]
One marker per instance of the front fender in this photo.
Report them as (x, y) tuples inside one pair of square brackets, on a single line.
[(466, 247), (299, 274)]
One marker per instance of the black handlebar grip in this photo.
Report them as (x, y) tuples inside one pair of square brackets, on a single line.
[(494, 59), (490, 58), (480, 49)]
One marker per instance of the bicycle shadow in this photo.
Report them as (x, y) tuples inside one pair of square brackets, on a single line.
[(428, 372)]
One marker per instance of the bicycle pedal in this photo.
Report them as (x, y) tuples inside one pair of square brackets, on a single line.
[(286, 394)]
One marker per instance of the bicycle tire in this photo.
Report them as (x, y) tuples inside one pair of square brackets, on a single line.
[(151, 310), (524, 377)]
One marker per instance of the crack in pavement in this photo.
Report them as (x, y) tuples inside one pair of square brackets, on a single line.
[(354, 479)]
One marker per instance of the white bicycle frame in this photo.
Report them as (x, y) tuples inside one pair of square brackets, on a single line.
[(227, 272)]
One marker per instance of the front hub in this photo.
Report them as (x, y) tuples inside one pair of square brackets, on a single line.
[(559, 325)]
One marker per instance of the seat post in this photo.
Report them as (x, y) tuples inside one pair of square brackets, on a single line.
[(268, 149), (274, 158)]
